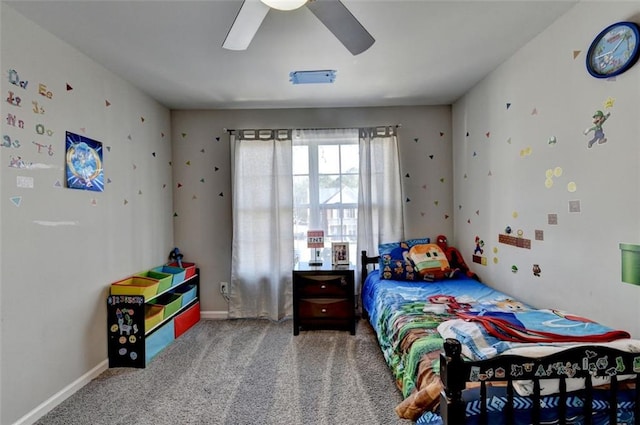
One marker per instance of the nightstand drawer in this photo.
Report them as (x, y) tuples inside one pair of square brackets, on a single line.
[(319, 285), (318, 308)]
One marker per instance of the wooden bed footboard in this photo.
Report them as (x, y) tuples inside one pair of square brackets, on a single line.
[(577, 362)]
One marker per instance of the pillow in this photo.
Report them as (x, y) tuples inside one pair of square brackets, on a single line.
[(430, 261), (398, 270), (384, 248), (394, 259)]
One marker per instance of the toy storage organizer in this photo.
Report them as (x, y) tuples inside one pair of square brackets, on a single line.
[(148, 311)]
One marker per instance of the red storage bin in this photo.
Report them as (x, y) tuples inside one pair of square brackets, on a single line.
[(184, 321), (189, 268)]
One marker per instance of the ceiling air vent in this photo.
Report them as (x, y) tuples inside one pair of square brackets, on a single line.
[(312, 77)]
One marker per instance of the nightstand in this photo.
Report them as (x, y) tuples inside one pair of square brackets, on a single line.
[(323, 298)]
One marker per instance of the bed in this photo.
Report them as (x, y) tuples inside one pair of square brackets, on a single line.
[(464, 353)]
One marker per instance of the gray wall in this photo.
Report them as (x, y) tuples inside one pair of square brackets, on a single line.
[(61, 248), (203, 181), (551, 94)]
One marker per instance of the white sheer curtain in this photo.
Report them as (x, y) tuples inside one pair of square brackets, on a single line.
[(380, 205), (263, 236), (262, 249)]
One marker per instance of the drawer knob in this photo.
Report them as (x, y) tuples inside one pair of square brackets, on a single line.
[(324, 310), (323, 286)]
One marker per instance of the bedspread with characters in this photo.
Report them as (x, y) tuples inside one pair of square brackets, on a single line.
[(411, 318)]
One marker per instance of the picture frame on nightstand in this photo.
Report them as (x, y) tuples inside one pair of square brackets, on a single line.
[(339, 253)]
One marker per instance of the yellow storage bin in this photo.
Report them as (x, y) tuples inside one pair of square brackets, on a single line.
[(135, 285), (165, 280), (153, 314)]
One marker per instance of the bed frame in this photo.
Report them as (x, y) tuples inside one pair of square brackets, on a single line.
[(579, 362)]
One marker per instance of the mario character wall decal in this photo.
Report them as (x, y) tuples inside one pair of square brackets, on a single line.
[(478, 251), (598, 133)]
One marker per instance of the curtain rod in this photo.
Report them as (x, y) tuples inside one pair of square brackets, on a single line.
[(233, 130)]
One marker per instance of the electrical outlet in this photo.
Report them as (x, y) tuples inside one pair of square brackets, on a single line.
[(224, 288)]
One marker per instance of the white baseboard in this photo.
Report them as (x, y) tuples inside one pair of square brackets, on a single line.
[(62, 395), (214, 315), (48, 405)]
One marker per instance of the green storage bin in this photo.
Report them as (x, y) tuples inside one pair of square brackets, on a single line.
[(178, 273), (165, 280), (171, 303)]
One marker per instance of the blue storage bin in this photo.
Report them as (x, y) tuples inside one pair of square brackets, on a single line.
[(188, 293), (158, 340), (177, 272)]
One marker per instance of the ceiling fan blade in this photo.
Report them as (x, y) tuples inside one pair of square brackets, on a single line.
[(245, 25), (339, 20)]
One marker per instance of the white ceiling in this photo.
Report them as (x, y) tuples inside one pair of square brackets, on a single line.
[(426, 52)]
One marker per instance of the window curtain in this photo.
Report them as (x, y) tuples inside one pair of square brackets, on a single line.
[(263, 239), (262, 247), (380, 204)]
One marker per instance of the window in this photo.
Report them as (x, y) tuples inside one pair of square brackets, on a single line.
[(325, 189)]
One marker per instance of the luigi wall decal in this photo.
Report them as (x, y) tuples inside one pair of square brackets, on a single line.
[(598, 133)]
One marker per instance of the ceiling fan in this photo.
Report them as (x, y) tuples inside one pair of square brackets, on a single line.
[(332, 13)]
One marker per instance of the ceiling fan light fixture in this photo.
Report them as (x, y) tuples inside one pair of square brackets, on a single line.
[(284, 4)]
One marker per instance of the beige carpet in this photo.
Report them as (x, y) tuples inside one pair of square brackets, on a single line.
[(245, 372)]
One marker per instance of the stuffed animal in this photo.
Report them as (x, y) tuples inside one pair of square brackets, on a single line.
[(456, 262), (175, 255)]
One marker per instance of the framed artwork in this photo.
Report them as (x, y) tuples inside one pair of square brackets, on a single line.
[(339, 253), (83, 163)]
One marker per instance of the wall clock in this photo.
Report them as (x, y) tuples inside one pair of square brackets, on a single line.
[(614, 50)]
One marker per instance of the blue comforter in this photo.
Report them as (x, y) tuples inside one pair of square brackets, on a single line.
[(407, 316)]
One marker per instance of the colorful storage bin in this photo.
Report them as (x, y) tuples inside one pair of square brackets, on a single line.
[(158, 340), (188, 293), (165, 280), (171, 303), (135, 285), (178, 273), (153, 314), (189, 268), (187, 319)]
